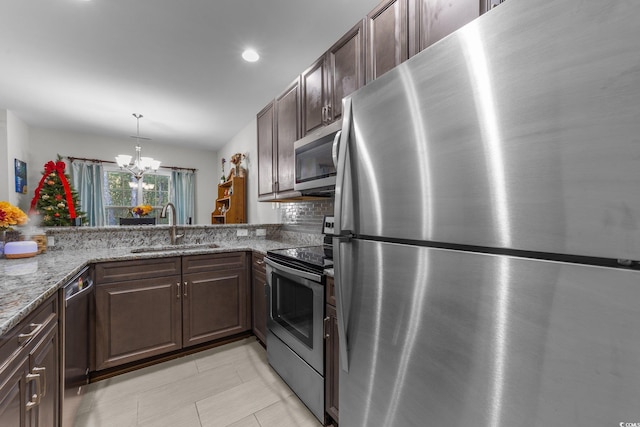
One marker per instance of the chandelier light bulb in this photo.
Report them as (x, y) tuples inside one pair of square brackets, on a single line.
[(140, 165)]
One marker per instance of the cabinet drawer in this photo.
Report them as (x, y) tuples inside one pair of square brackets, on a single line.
[(120, 271), (213, 262), (258, 264), (330, 291), (33, 326)]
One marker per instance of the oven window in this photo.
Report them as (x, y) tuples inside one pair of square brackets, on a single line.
[(293, 308)]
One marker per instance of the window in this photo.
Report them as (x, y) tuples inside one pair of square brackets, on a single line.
[(122, 192)]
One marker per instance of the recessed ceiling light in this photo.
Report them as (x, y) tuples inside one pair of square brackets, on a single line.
[(250, 55)]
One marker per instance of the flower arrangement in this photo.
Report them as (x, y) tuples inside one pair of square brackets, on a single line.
[(141, 210), (10, 216), (237, 159)]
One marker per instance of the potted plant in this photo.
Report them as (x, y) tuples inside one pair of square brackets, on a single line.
[(139, 216)]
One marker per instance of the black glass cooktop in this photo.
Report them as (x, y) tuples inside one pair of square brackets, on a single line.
[(310, 257)]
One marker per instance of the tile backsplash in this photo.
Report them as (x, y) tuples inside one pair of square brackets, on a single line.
[(305, 216)]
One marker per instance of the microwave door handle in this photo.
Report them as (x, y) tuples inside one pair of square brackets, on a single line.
[(334, 149)]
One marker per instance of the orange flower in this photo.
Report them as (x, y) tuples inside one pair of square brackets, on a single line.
[(142, 210), (11, 215)]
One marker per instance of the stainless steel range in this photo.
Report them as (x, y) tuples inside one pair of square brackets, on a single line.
[(295, 297)]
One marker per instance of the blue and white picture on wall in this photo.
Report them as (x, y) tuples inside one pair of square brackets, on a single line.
[(21, 176)]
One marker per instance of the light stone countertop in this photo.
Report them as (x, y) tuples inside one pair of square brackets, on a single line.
[(26, 283)]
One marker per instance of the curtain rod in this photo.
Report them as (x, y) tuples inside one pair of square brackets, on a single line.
[(84, 159)]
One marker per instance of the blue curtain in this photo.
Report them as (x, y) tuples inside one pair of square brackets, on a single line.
[(183, 195), (87, 180)]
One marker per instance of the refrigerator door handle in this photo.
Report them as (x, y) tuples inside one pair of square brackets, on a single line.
[(341, 304), (334, 148), (343, 207)]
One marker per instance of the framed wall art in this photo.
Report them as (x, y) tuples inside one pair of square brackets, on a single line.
[(21, 176)]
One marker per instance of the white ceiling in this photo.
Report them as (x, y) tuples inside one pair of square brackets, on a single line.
[(87, 65)]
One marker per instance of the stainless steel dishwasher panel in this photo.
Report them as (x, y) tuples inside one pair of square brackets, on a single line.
[(78, 302)]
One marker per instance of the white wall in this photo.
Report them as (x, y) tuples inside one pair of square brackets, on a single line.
[(5, 182), (246, 141), (18, 148), (14, 144), (46, 144)]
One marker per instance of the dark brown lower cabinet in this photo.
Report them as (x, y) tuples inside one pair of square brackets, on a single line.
[(43, 360), (136, 319), (205, 297), (29, 370), (14, 395), (258, 280), (332, 357), (216, 299)]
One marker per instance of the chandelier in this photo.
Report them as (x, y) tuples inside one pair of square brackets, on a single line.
[(140, 165)]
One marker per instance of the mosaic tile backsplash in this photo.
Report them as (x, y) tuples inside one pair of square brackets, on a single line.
[(305, 216)]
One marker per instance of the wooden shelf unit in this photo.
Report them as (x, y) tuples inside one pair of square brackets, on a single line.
[(231, 197)]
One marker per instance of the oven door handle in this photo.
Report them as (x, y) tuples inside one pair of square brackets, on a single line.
[(294, 271)]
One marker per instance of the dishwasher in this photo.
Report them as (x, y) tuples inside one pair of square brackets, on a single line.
[(78, 304)]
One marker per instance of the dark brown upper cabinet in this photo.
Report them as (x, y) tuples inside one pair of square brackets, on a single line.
[(336, 74), (266, 159), (432, 20), (315, 96), (387, 37), (346, 68), (287, 131), (279, 126)]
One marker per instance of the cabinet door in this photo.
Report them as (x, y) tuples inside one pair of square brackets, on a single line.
[(137, 319), (387, 35), (43, 360), (259, 305), (345, 63), (314, 96), (14, 394), (215, 305), (436, 19), (287, 132), (331, 368), (266, 159)]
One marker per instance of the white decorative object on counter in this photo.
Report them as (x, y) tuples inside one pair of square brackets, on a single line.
[(23, 249)]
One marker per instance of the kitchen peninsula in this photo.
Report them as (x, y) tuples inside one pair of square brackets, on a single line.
[(28, 282)]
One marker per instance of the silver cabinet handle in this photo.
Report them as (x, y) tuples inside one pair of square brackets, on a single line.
[(35, 398), (328, 107), (22, 338), (42, 371), (178, 294), (326, 326), (259, 262), (185, 288)]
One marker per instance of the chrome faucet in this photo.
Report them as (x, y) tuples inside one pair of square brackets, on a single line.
[(172, 222)]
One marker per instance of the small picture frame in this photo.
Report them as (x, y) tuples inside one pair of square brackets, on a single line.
[(21, 176)]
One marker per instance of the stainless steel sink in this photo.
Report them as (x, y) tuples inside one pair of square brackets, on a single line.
[(168, 248)]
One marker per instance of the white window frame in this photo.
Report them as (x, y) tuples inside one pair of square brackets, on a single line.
[(140, 189)]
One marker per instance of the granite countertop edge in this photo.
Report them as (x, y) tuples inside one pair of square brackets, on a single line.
[(26, 283)]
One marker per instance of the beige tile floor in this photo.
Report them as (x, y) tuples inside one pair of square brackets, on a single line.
[(228, 386)]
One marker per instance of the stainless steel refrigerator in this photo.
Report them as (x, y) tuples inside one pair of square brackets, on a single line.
[(488, 207)]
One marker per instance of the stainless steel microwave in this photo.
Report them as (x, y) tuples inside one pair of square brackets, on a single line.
[(315, 161)]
